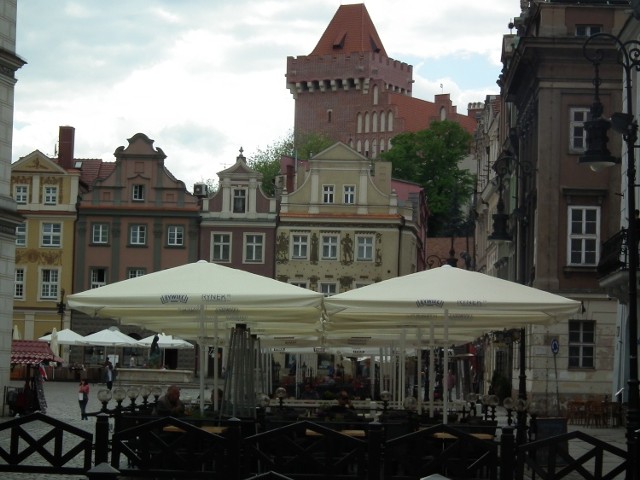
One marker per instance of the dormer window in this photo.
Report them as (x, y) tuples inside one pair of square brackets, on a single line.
[(239, 200), (137, 193)]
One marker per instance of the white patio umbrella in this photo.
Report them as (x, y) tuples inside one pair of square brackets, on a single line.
[(66, 337), (451, 300), (198, 299), (110, 337), (53, 343), (15, 333)]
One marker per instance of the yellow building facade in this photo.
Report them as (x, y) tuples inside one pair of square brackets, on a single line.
[(46, 196)]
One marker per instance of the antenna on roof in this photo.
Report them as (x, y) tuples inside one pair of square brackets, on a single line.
[(442, 88)]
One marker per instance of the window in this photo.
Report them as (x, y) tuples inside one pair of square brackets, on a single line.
[(100, 233), (135, 272), (578, 137), (21, 194), (50, 195), (97, 277), (221, 247), (329, 115), (349, 194), (21, 235), (51, 235), (300, 284), (329, 247), (18, 291), (138, 235), (587, 30), (253, 248), (365, 249), (328, 289), (582, 343), (49, 284), (239, 200), (137, 193), (175, 236), (327, 193), (300, 246), (584, 235)]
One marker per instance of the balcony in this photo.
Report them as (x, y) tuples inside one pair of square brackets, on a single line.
[(614, 264)]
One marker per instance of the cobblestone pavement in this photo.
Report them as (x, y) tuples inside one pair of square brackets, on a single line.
[(62, 404)]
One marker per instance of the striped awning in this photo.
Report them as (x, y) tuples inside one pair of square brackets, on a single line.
[(31, 352)]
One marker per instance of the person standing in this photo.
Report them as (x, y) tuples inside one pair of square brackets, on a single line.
[(83, 398), (108, 374)]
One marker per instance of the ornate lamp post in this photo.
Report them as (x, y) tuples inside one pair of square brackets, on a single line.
[(597, 155)]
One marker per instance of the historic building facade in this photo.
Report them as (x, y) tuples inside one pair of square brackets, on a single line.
[(237, 226), (46, 195), (340, 217), (559, 212)]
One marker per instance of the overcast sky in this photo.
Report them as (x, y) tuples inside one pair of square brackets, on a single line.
[(205, 77)]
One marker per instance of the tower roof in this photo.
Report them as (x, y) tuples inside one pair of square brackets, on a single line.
[(350, 30)]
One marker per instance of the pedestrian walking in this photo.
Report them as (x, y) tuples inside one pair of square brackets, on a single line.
[(83, 398)]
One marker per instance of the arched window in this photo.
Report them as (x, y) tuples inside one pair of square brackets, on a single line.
[(329, 115), (390, 121), (382, 121), (375, 94), (374, 122), (382, 145), (374, 148), (389, 144), (359, 146), (443, 113), (366, 148), (359, 122), (367, 122)]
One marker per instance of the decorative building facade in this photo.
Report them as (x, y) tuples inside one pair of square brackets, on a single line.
[(340, 217), (46, 194)]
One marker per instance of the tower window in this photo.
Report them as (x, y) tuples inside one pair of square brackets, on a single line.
[(329, 115)]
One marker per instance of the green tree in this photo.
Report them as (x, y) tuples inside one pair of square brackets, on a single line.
[(431, 158), (267, 161)]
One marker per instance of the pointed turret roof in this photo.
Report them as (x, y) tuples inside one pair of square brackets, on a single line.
[(351, 30)]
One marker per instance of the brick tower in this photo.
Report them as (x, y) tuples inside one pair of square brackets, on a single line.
[(348, 89)]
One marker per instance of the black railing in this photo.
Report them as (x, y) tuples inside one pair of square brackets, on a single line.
[(614, 255), (172, 448)]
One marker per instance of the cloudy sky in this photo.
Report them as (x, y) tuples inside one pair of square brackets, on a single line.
[(205, 77)]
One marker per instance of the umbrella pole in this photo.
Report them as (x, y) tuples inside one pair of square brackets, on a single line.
[(445, 370), (432, 372), (419, 376), (202, 359)]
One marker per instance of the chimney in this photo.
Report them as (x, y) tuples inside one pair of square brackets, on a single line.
[(65, 146)]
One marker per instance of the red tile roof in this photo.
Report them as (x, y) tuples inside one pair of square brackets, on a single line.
[(418, 114), (351, 30), (31, 352)]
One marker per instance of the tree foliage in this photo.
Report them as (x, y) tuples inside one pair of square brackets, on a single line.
[(431, 158), (267, 161)]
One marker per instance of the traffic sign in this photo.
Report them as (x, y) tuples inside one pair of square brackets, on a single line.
[(555, 346)]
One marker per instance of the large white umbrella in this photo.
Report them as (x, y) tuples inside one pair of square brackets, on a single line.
[(447, 300), (15, 334), (66, 337), (198, 299)]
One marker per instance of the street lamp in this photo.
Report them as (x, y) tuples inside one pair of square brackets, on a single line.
[(500, 218), (628, 56), (61, 308)]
